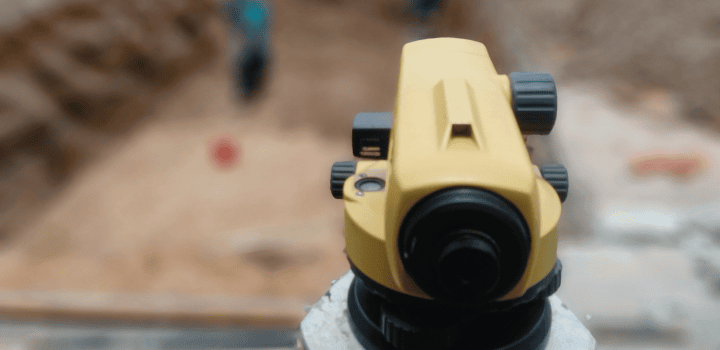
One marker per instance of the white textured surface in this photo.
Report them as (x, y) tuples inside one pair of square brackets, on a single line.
[(326, 324), (629, 287), (567, 332)]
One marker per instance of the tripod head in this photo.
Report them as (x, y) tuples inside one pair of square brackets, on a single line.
[(450, 229)]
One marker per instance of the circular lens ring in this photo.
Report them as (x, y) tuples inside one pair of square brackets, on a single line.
[(430, 222)]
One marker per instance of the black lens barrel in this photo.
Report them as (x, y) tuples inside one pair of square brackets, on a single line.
[(464, 245)]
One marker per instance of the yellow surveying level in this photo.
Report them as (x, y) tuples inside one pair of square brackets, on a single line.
[(450, 229)]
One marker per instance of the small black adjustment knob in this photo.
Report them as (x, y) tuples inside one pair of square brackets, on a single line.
[(557, 176), (534, 101), (339, 173)]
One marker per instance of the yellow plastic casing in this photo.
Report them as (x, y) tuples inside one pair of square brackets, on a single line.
[(453, 126)]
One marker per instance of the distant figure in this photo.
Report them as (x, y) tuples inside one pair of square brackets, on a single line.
[(426, 7), (251, 21), (422, 11)]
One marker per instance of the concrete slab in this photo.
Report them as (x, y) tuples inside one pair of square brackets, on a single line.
[(597, 145), (642, 296)]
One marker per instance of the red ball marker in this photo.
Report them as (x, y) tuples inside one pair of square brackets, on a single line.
[(224, 152)]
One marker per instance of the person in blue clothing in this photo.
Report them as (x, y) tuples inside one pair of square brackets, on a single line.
[(425, 7), (250, 21), (422, 14)]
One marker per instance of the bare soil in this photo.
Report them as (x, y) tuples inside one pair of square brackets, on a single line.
[(154, 214)]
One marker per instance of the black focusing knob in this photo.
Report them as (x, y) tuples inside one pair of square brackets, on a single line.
[(557, 176), (534, 101), (340, 172)]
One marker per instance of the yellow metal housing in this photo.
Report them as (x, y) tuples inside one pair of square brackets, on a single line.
[(453, 126)]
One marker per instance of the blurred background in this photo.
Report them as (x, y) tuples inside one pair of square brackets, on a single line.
[(164, 164)]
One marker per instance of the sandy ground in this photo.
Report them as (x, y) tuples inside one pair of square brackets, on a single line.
[(155, 214)]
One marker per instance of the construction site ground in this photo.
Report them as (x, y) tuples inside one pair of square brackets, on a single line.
[(151, 230)]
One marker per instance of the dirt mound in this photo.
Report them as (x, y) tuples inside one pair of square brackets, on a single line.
[(639, 47), (74, 74)]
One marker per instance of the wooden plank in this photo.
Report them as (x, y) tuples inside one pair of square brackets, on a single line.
[(152, 308)]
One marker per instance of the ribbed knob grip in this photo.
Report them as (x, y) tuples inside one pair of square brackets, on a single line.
[(410, 333), (339, 173), (534, 102), (557, 176)]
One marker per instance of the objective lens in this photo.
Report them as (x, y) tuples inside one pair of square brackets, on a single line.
[(464, 245), (469, 265)]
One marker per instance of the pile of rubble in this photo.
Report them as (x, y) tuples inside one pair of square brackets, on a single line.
[(640, 248), (74, 73)]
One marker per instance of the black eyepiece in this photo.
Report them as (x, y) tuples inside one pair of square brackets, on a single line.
[(468, 264), (464, 245)]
